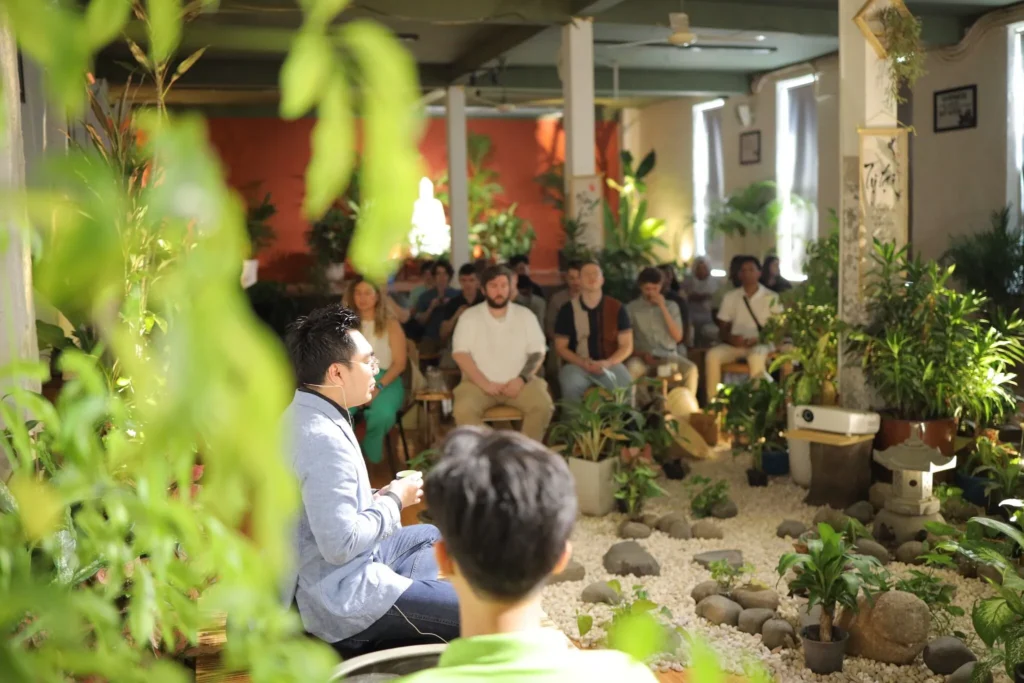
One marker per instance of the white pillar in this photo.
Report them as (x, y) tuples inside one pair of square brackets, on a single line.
[(863, 105), (17, 315), (458, 182), (577, 72)]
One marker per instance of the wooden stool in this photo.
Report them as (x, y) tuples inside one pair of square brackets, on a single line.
[(512, 416), (431, 402)]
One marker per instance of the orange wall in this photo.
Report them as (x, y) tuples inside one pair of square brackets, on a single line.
[(270, 155)]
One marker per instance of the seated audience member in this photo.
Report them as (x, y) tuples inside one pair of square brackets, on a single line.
[(470, 295), (744, 311), (521, 265), (362, 581), (672, 291), (524, 295), (412, 327), (658, 331), (593, 337), (388, 341), (506, 506), (571, 277), (733, 281), (430, 309), (771, 277), (700, 288), (499, 347)]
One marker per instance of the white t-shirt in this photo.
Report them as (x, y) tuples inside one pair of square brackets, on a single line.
[(499, 346), (765, 303)]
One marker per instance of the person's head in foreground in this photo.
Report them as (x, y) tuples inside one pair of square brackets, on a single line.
[(332, 357), (506, 506)]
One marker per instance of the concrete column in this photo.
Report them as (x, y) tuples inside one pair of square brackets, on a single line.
[(577, 72), (863, 105), (17, 314), (458, 182)]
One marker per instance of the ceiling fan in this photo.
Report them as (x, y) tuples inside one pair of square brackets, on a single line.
[(682, 36)]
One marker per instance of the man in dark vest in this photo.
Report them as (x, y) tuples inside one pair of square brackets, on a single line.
[(593, 337)]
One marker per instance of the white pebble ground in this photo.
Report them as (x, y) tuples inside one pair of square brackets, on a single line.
[(753, 531)]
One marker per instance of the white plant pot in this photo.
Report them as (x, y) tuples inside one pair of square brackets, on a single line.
[(799, 453), (335, 274), (250, 272), (595, 485)]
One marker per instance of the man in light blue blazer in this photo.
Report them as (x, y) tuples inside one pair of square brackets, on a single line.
[(363, 582)]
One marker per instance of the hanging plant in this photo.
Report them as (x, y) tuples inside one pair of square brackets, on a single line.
[(904, 59)]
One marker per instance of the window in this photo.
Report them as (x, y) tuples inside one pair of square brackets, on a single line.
[(1015, 184), (708, 179), (796, 170)]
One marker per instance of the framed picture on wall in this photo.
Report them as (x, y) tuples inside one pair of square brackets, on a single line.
[(750, 147), (956, 108)]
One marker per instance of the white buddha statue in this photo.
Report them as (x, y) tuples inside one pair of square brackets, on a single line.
[(431, 234)]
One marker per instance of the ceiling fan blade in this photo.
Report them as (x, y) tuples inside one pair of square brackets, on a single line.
[(738, 39), (615, 45)]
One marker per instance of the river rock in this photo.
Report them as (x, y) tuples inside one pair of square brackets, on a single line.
[(600, 592), (834, 518), (909, 553), (893, 630), (752, 620), (573, 571), (665, 522), (791, 528), (725, 509), (680, 530), (879, 493), (650, 519), (778, 633), (631, 529), (629, 557), (862, 511), (719, 609), (705, 590), (706, 529), (756, 598), (733, 557), (866, 546), (947, 654), (987, 571), (965, 674)]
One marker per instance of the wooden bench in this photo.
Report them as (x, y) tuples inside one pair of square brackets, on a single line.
[(513, 416)]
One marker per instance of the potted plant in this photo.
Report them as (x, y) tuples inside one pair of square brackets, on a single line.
[(329, 238), (930, 354), (752, 414), (904, 51), (590, 433), (261, 236), (636, 477), (754, 209), (823, 574), (501, 235)]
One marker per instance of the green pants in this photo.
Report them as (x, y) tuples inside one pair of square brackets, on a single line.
[(381, 415)]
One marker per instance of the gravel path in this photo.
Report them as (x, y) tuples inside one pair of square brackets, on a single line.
[(753, 531)]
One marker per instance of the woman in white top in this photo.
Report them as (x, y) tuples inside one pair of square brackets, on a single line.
[(385, 335)]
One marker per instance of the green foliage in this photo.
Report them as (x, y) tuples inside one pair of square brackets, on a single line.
[(823, 574), (595, 427), (638, 626), (552, 186), (905, 53), (929, 587), (502, 235), (330, 237), (928, 350), (991, 262), (636, 477), (574, 249), (261, 234), (483, 186), (754, 416), (753, 210), (727, 576), (705, 494), (424, 461)]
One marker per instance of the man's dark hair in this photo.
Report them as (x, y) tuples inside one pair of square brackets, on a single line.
[(319, 340), (574, 265), (505, 506), (441, 263), (743, 260), (427, 267), (493, 273), (650, 276), (517, 259), (467, 269)]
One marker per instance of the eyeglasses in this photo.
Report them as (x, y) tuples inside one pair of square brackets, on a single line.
[(373, 364)]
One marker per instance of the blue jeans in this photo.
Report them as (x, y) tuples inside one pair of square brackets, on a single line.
[(426, 613), (575, 381)]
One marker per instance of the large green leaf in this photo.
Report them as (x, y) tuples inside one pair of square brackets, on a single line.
[(990, 616), (330, 167), (164, 25), (307, 75)]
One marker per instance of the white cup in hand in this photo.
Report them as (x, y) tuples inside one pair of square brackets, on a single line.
[(409, 490)]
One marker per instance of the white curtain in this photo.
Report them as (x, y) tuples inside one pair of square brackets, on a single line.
[(714, 247), (799, 223)]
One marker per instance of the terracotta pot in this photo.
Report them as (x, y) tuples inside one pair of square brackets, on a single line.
[(937, 433)]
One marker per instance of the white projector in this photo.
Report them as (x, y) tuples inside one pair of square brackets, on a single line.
[(835, 420)]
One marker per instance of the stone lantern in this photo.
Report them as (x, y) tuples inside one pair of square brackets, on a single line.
[(913, 464)]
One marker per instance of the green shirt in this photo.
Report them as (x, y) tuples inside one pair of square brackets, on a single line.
[(538, 656)]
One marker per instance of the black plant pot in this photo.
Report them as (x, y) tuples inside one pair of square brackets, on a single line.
[(757, 478), (675, 470), (1018, 674), (824, 658)]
